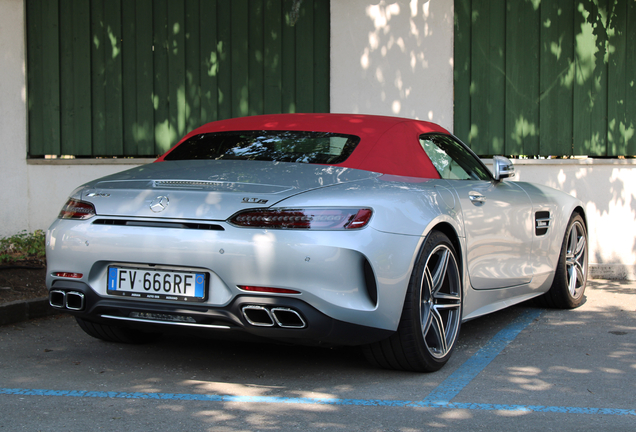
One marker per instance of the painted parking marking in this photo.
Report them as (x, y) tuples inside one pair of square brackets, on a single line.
[(317, 401), (440, 397), (455, 383)]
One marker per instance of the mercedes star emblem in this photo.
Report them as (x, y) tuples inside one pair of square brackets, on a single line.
[(159, 204)]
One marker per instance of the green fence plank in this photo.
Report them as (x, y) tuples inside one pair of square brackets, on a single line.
[(160, 74), (321, 60), (256, 57), (99, 42), (556, 76), (35, 77), (193, 60), (616, 79), (82, 73), (67, 78), (461, 54), (522, 78), (288, 85), (630, 82), (51, 78), (224, 59), (209, 61), (240, 58), (273, 37), (176, 69), (590, 82), (488, 77), (304, 57), (143, 128), (113, 78), (129, 76)]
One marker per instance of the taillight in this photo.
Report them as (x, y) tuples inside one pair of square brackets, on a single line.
[(76, 209), (316, 219)]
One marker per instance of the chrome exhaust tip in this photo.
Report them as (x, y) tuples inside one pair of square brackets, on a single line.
[(71, 300), (257, 316), (288, 318), (75, 300), (57, 299)]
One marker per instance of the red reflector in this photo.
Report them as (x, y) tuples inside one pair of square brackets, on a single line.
[(69, 275), (268, 290)]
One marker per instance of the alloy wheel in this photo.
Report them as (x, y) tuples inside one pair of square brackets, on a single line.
[(576, 259), (440, 305)]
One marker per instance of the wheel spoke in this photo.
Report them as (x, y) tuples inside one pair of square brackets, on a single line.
[(448, 297), (426, 301), (440, 271), (580, 248), (573, 277), (580, 273), (438, 333), (447, 306), (427, 318)]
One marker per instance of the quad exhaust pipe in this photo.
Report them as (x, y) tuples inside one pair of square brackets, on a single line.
[(256, 315), (261, 316), (71, 300)]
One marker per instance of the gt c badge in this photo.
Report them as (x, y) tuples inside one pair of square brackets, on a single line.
[(159, 204), (254, 201), (97, 194)]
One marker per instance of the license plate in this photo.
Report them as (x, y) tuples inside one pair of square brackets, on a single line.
[(157, 284)]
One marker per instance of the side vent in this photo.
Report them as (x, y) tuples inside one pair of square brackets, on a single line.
[(541, 222), (369, 279)]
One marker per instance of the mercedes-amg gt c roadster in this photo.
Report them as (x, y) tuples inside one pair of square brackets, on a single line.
[(327, 229)]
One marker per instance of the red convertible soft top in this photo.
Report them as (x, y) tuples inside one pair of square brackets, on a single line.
[(388, 145)]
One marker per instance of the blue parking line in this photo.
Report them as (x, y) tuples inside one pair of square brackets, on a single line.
[(440, 397), (455, 383), (317, 401)]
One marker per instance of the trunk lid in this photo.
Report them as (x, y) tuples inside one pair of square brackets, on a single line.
[(209, 190)]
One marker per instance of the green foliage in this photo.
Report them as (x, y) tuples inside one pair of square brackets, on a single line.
[(23, 246)]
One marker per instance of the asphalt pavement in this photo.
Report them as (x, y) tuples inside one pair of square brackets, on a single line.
[(525, 368)]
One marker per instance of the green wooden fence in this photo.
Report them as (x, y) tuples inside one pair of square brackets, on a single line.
[(546, 77), (129, 78)]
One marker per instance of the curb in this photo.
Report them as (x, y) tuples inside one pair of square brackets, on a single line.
[(19, 310)]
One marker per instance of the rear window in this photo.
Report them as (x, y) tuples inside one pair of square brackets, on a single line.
[(279, 146)]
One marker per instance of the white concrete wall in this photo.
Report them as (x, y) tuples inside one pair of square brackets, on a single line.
[(49, 185), (393, 58), (13, 169)]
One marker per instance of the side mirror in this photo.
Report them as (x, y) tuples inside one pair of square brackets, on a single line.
[(502, 168)]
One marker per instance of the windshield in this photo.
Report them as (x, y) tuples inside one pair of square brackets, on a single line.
[(279, 146)]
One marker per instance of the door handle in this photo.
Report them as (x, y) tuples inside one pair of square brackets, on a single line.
[(476, 198)]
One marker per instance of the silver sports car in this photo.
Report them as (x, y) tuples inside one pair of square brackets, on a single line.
[(327, 229)]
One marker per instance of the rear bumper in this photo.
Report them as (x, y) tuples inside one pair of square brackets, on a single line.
[(357, 277), (292, 320)]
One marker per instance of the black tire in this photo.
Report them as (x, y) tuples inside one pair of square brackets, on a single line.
[(570, 278), (432, 313), (110, 333)]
